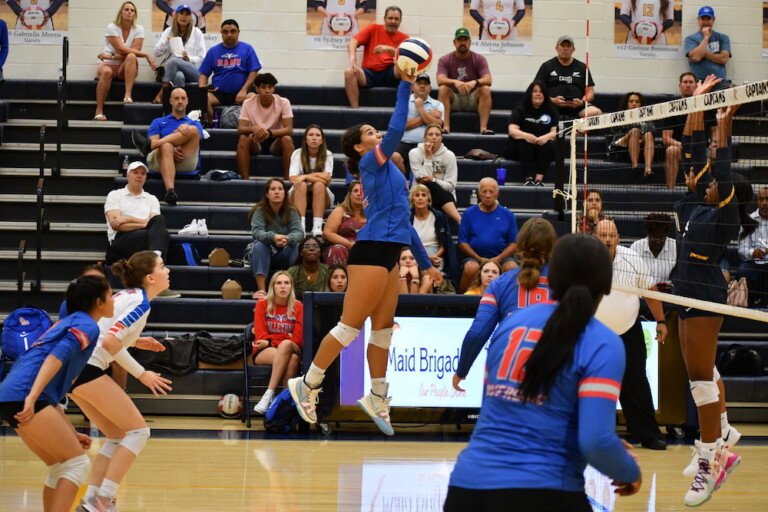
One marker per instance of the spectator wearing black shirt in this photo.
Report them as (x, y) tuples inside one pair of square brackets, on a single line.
[(533, 125), (566, 79)]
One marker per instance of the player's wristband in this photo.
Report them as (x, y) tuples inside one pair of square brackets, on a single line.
[(661, 321), (126, 360)]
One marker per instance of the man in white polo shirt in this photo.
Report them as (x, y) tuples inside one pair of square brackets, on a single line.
[(619, 311)]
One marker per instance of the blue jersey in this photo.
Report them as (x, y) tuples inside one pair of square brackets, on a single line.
[(71, 341), (547, 444), (488, 233), (166, 125), (230, 66), (502, 298), (385, 193)]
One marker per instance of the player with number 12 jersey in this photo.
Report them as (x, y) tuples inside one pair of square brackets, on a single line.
[(331, 8), (506, 10), (653, 11)]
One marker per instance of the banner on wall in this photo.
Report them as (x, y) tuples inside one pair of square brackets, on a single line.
[(330, 23), (765, 30), (639, 29), (35, 21), (206, 16), (500, 26)]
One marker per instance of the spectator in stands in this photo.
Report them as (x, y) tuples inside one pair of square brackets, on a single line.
[(566, 79), (173, 145), (532, 131), (753, 250), (337, 279), (199, 9), (488, 231), (435, 167), (635, 136), (278, 329), (489, 271), (276, 234), (465, 82), (619, 311), (265, 124), (234, 66), (310, 173), (120, 56), (657, 250), (378, 66), (423, 110), (180, 69), (340, 231), (412, 280), (309, 274), (672, 133), (3, 48), (433, 230), (593, 213), (708, 51)]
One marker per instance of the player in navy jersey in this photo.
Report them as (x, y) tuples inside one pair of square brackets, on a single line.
[(715, 213), (518, 288), (372, 264), (40, 378), (104, 402), (553, 375)]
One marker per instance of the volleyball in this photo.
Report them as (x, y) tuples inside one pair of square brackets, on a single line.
[(413, 56), (646, 31), (230, 406), (499, 28), (33, 18), (340, 24)]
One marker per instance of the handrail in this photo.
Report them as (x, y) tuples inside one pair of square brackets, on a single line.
[(20, 274), (61, 104), (41, 225)]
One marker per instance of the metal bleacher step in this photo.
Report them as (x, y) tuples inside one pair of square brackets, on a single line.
[(52, 198), (65, 173), (49, 147), (86, 256)]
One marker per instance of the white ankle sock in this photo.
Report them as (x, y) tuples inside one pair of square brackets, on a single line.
[(91, 491), (303, 223), (314, 376), (317, 222), (380, 387), (707, 450), (724, 425), (108, 488)]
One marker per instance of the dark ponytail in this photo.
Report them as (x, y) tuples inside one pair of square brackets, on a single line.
[(580, 273), (349, 140), (83, 292)]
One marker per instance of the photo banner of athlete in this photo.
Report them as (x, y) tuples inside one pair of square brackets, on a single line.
[(207, 16), (35, 21), (648, 29), (765, 30), (503, 27), (331, 23)]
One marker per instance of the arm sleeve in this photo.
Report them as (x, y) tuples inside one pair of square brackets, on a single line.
[(55, 6), (745, 248), (196, 50), (294, 168), (207, 7), (397, 122), (72, 342), (417, 248), (451, 173), (667, 24), (486, 320), (127, 328), (3, 44), (298, 327), (725, 44), (329, 163), (417, 160), (465, 232), (625, 19), (161, 48), (163, 6), (15, 7), (253, 60), (154, 205), (518, 16), (260, 320), (690, 43), (259, 228), (477, 16), (206, 66), (725, 188), (541, 74)]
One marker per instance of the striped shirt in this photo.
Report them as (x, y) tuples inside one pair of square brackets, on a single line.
[(131, 313)]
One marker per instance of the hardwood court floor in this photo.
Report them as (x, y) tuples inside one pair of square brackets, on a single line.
[(210, 464)]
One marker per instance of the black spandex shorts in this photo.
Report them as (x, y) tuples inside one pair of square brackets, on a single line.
[(9, 409), (90, 373), (380, 254), (225, 98), (523, 500)]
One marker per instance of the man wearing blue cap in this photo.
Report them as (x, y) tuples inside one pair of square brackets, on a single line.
[(707, 51)]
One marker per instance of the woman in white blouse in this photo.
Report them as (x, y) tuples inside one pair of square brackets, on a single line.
[(180, 60), (119, 58), (434, 166), (311, 170)]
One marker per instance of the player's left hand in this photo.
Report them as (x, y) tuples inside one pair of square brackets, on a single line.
[(149, 343), (456, 381), (435, 274), (661, 332), (84, 440)]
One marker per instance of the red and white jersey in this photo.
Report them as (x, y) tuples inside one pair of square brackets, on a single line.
[(650, 11), (131, 313), (500, 10), (344, 8), (29, 4)]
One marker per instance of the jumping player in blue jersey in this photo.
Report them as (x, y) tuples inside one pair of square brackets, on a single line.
[(518, 288), (549, 408), (39, 379), (714, 218), (372, 264)]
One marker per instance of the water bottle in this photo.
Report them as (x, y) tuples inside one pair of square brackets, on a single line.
[(473, 198), (216, 115), (126, 163)]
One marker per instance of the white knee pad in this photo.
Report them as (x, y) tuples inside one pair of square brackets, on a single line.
[(135, 440), (52, 478), (109, 447), (704, 392), (381, 338), (715, 375), (75, 470), (344, 334)]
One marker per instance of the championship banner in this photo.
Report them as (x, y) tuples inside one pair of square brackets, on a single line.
[(206, 15), (639, 29), (503, 27), (331, 23), (35, 21)]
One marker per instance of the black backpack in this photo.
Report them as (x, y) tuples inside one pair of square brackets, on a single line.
[(740, 361), (282, 416)]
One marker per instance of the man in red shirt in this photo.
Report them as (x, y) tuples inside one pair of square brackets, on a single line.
[(378, 67)]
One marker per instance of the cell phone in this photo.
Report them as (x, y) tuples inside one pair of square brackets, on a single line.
[(568, 98)]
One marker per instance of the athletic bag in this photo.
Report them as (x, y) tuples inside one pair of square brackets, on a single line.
[(183, 254), (230, 117), (740, 361), (22, 328), (282, 416)]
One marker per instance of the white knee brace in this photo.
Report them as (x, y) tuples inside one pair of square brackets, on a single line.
[(704, 392), (381, 338), (75, 470), (109, 447), (715, 374), (52, 478), (344, 334), (135, 440)]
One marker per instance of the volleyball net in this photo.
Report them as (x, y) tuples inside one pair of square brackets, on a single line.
[(631, 166)]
